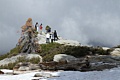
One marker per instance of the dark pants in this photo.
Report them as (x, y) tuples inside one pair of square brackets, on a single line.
[(52, 40), (55, 38), (47, 40)]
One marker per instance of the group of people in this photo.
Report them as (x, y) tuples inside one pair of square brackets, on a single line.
[(38, 28), (28, 41), (50, 36)]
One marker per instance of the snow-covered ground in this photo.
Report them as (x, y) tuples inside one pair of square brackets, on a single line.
[(113, 74)]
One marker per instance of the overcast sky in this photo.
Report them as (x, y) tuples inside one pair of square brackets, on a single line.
[(92, 22)]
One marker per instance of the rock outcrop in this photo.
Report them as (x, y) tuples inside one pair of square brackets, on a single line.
[(64, 65), (42, 40), (116, 52), (89, 63), (28, 42), (68, 42), (26, 66), (15, 58), (64, 57)]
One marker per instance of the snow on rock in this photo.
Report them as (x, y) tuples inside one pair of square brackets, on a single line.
[(113, 74), (116, 52), (15, 58), (63, 57)]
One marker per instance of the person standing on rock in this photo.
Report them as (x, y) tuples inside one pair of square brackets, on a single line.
[(52, 37), (41, 28), (47, 38), (48, 29), (55, 35), (37, 27)]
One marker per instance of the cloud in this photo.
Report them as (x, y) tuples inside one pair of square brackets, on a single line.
[(93, 22), (104, 29)]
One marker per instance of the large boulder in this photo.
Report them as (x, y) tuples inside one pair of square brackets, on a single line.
[(9, 60), (63, 57), (116, 52), (15, 58), (30, 56)]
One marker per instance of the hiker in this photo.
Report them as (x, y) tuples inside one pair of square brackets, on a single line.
[(48, 29), (47, 38), (55, 35), (52, 37), (36, 26), (41, 28)]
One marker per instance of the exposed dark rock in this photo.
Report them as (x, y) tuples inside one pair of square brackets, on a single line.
[(1, 72), (89, 63), (104, 59), (64, 65)]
